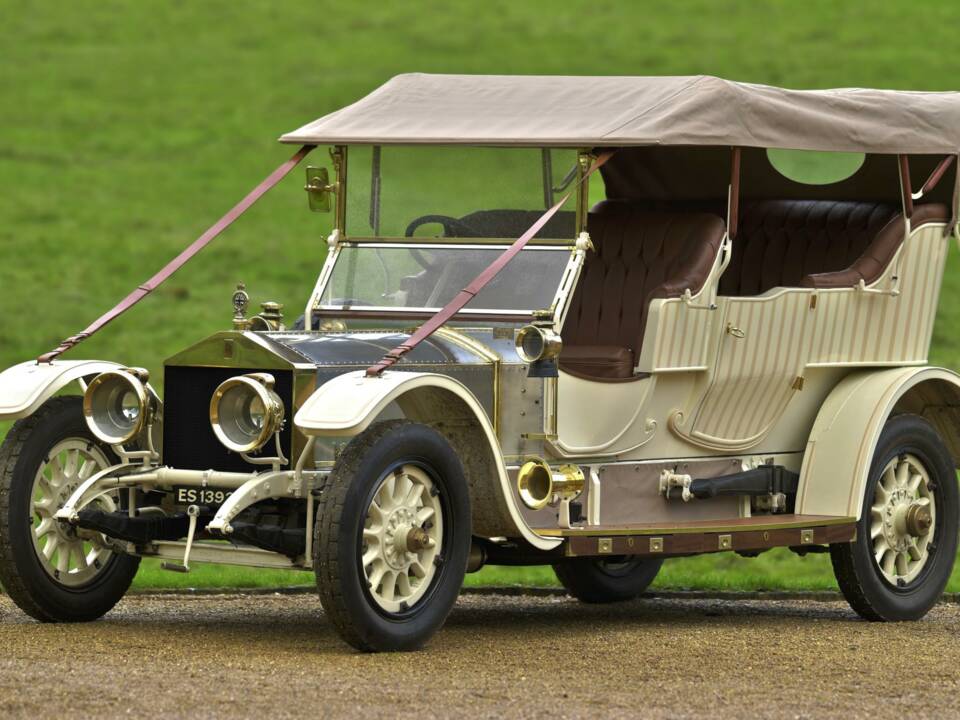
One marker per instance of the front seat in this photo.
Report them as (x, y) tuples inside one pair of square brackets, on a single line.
[(640, 255)]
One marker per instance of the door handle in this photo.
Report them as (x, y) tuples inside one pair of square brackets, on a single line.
[(735, 331)]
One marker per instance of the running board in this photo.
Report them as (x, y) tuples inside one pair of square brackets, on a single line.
[(223, 553), (691, 538)]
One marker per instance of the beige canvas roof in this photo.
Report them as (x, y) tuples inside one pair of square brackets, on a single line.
[(634, 111)]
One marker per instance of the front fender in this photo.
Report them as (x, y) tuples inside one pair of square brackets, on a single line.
[(25, 387), (839, 452), (346, 406)]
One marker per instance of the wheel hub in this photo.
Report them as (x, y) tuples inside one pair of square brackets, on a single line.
[(401, 538), (918, 520), (397, 552), (903, 515)]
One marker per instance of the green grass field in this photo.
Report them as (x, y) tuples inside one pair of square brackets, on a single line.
[(128, 127)]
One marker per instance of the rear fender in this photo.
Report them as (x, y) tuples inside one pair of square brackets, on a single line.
[(839, 451), (25, 387), (348, 404)]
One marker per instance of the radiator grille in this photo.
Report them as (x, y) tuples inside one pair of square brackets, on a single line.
[(188, 439)]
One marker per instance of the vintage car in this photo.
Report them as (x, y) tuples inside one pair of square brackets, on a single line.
[(727, 351)]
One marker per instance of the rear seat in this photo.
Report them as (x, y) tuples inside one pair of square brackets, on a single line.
[(816, 243), (640, 255)]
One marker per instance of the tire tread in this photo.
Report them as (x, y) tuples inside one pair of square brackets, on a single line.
[(327, 526), (10, 452), (14, 583)]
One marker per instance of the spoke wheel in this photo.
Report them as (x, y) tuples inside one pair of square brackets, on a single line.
[(901, 559), (72, 558), (402, 538), (55, 572), (903, 517), (392, 537)]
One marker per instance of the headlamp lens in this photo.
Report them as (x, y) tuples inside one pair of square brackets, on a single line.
[(245, 412)]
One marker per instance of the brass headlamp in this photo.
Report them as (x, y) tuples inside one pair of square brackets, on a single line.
[(245, 412), (116, 404), (539, 346), (536, 343)]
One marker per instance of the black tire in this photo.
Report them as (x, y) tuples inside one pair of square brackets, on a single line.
[(338, 536), (22, 576), (606, 580), (858, 574)]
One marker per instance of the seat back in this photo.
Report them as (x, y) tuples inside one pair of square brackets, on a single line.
[(815, 243), (640, 255)]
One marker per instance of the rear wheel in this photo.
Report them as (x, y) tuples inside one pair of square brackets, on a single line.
[(604, 580), (52, 572), (392, 537), (902, 557)]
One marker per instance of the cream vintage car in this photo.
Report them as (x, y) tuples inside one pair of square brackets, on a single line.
[(726, 351)]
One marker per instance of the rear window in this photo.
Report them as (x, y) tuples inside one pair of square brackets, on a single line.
[(811, 167)]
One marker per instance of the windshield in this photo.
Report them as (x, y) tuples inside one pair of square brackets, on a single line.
[(392, 276), (462, 192)]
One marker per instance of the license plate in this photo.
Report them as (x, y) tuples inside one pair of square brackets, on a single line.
[(200, 495)]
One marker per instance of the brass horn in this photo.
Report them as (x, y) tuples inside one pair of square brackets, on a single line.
[(538, 484)]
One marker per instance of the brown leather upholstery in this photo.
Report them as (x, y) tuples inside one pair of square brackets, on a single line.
[(878, 254), (815, 243), (598, 361), (640, 255)]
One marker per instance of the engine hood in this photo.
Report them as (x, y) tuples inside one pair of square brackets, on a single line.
[(364, 348), (347, 350)]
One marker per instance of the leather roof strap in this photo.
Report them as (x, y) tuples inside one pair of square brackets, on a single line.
[(479, 282), (180, 260), (935, 176)]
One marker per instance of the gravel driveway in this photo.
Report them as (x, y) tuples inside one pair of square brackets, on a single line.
[(271, 656)]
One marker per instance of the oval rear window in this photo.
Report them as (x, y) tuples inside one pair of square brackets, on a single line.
[(812, 167)]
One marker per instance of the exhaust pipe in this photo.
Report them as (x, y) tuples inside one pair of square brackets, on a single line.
[(539, 485)]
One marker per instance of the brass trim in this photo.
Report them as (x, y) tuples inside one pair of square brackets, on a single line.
[(338, 156), (803, 522), (584, 160), (539, 484), (538, 436)]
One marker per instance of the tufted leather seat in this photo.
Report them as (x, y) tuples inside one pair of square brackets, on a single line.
[(640, 255), (816, 243)]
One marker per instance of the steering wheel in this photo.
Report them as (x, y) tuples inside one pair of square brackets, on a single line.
[(452, 227)]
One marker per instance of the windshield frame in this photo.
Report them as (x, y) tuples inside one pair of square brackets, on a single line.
[(491, 314), (579, 189)]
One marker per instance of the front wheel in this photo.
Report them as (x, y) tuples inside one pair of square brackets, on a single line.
[(52, 572), (902, 557), (596, 580), (392, 537)]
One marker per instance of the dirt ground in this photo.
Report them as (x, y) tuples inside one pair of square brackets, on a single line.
[(274, 656)]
